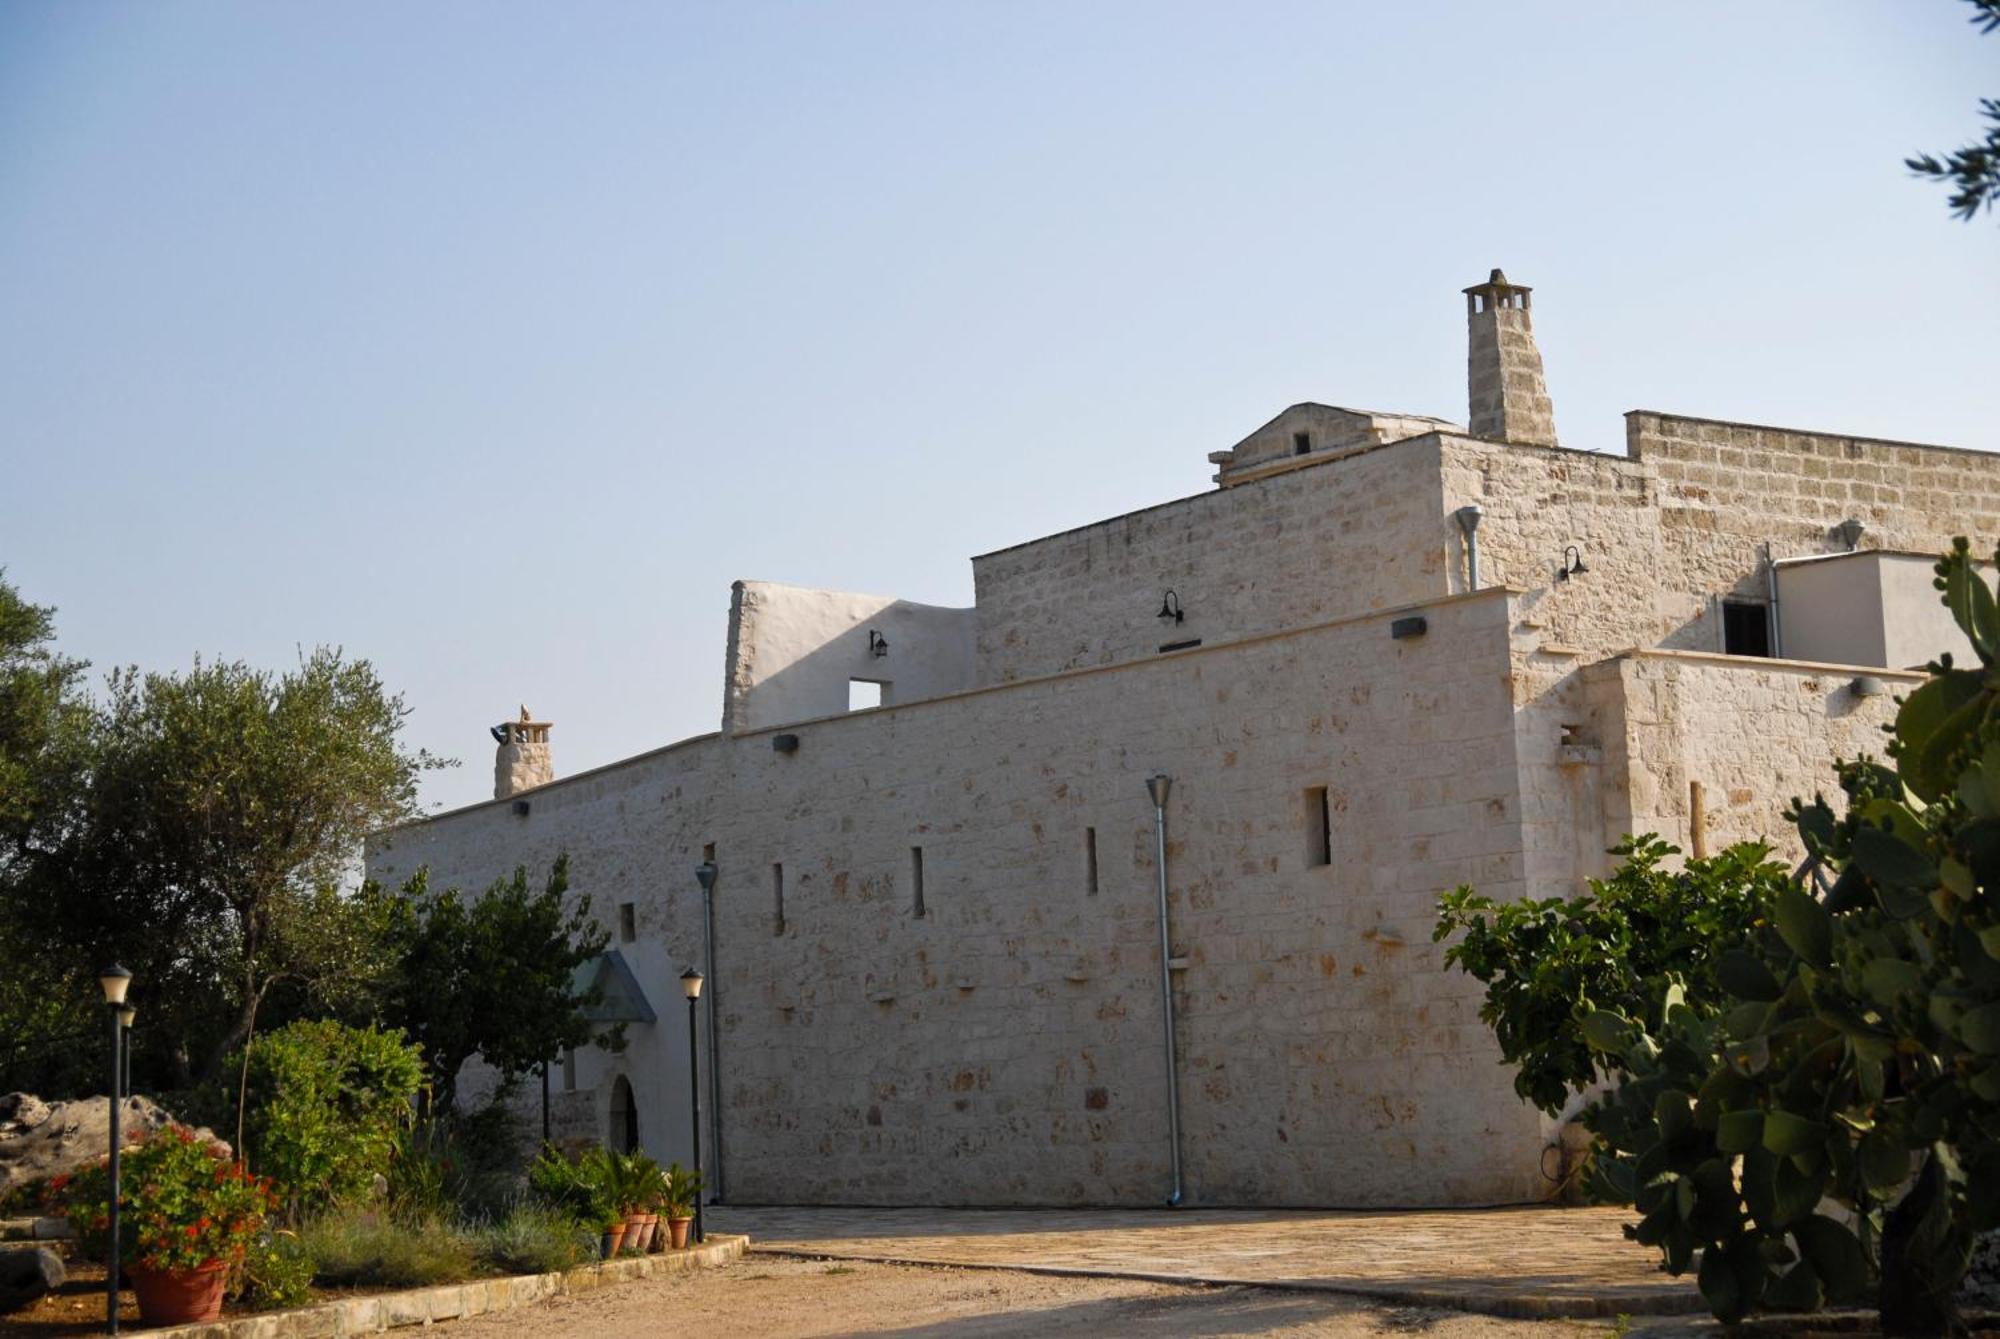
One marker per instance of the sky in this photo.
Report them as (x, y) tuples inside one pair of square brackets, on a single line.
[(491, 342)]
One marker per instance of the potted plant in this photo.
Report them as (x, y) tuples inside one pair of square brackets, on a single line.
[(579, 1188), (678, 1193), (188, 1216), (635, 1186)]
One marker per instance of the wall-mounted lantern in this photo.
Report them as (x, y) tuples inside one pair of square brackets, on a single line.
[(1572, 564), (878, 645), (1170, 608)]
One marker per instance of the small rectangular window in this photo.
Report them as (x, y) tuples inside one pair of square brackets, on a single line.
[(1319, 828), (1090, 860), (1302, 442), (863, 694), (628, 922), (708, 852), (569, 1071), (917, 880), (777, 899), (1746, 628)]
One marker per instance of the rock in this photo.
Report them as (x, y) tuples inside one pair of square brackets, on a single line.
[(40, 1139), (1981, 1289), (26, 1275)]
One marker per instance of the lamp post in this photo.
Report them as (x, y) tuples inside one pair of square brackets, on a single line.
[(115, 980), (126, 1013), (691, 987), (704, 875)]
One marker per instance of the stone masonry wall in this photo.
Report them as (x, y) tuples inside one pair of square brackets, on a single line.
[(1755, 734), (1329, 540), (634, 832), (1005, 1047)]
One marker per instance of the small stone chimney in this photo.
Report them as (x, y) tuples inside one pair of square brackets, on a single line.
[(1510, 401), (522, 761)]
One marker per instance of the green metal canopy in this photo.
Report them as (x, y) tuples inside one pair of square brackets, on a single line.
[(621, 999)]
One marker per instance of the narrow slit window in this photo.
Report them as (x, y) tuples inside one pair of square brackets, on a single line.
[(1746, 628), (708, 852), (917, 880), (628, 922), (1319, 828), (569, 1071), (863, 694), (777, 899), (1090, 861), (1302, 442)]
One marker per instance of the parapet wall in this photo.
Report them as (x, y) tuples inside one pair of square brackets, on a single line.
[(1325, 541)]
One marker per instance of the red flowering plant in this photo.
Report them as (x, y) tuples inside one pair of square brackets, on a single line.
[(186, 1205)]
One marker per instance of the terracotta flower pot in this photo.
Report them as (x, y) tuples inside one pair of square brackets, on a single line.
[(644, 1241), (614, 1237), (677, 1231), (179, 1296)]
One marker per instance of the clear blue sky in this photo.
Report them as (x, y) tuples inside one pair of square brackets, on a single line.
[(492, 341)]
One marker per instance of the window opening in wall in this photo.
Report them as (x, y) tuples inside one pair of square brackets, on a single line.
[(917, 880), (1746, 628), (1319, 828), (1302, 442), (777, 899), (569, 1070), (1090, 860), (708, 852), (863, 694), (628, 922)]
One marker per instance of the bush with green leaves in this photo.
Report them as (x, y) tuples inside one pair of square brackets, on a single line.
[(325, 1105), (1852, 1058), (534, 1239), (362, 1248), (277, 1273)]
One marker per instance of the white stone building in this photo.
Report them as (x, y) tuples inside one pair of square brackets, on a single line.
[(1384, 656)]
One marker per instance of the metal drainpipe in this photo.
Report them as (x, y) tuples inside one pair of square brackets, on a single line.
[(1771, 589), (1158, 787), (1468, 521), (705, 875)]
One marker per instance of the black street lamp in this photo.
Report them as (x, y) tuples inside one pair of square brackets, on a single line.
[(126, 1013), (115, 980), (691, 987)]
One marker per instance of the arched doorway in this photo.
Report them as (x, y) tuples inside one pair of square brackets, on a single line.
[(624, 1116)]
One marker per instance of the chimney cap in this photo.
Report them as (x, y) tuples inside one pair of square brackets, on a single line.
[(1497, 283)]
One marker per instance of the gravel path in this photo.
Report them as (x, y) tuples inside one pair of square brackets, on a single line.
[(778, 1298)]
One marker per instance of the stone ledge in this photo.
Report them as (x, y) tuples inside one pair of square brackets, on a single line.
[(457, 1301), (34, 1229)]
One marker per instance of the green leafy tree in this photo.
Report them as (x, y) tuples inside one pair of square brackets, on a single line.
[(1852, 1053), (1973, 171), (215, 817), (491, 976), (327, 1105)]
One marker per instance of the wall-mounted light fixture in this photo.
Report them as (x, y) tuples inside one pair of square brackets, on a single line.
[(878, 645), (1572, 564), (1867, 685), (1170, 608)]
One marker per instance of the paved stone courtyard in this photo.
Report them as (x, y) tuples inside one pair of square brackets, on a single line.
[(1508, 1262)]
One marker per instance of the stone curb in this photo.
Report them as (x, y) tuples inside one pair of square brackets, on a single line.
[(456, 1301), (34, 1229), (1512, 1305)]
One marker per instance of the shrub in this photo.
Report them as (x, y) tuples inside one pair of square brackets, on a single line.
[(277, 1272), (358, 1248), (457, 1166), (325, 1104), (575, 1188), (535, 1239), (184, 1203)]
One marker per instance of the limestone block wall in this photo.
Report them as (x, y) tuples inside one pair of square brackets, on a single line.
[(792, 651), (634, 832), (1725, 489), (1755, 734), (1325, 541), (1005, 1046)]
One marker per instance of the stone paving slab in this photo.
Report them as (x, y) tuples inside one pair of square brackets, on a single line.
[(1534, 1262)]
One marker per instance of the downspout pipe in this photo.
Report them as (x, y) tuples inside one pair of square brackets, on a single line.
[(705, 875), (1771, 591), (1468, 521), (1159, 787)]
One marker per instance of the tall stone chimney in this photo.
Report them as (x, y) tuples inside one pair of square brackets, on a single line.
[(522, 761), (1510, 401)]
